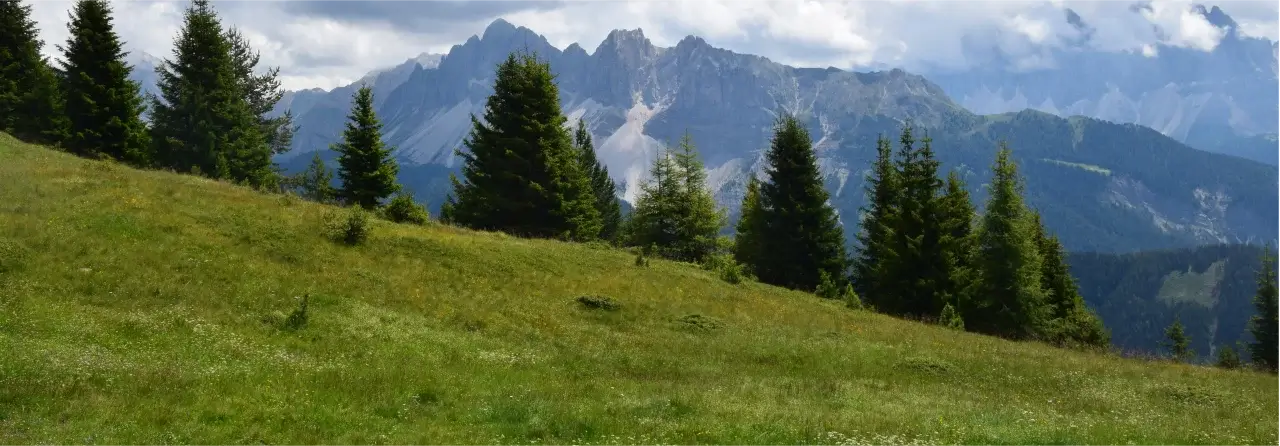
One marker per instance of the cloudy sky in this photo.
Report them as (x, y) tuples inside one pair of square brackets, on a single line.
[(331, 43)]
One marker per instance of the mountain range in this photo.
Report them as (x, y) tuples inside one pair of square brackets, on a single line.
[(1101, 186)]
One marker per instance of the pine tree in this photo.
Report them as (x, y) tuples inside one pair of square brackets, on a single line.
[(1008, 298), (698, 220), (1263, 325), (521, 173), (201, 120), (956, 218), (262, 92), (803, 235), (875, 253), (102, 105), (919, 273), (30, 101), (1177, 341), (316, 183), (603, 187), (1069, 320), (365, 165), (747, 241)]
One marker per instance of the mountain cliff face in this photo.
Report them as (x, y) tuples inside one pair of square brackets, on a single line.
[(1101, 186), (1221, 101)]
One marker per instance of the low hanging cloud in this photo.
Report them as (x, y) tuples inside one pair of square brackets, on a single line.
[(331, 43)]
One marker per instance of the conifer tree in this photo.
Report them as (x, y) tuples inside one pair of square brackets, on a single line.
[(747, 242), (603, 187), (1069, 319), (520, 172), (30, 101), (201, 120), (1177, 341), (1008, 299), (315, 183), (365, 165), (803, 235), (875, 253), (956, 217), (653, 222), (698, 220), (1228, 358), (102, 105), (675, 212), (919, 272), (262, 92), (1263, 325)]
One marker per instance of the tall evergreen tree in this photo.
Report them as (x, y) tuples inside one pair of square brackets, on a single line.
[(747, 239), (365, 165), (675, 211), (956, 217), (1263, 325), (803, 235), (919, 272), (1069, 319), (603, 187), (875, 252), (262, 92), (103, 106), (521, 173), (1177, 341), (1008, 298), (201, 120), (30, 101), (698, 220)]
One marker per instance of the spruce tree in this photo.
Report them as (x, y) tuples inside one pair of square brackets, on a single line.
[(365, 165), (201, 120), (30, 100), (803, 235), (1177, 341), (102, 105), (262, 91), (956, 217), (747, 242), (698, 220), (603, 187), (919, 273), (520, 171), (1069, 319), (316, 183), (1008, 299), (1263, 325), (875, 252)]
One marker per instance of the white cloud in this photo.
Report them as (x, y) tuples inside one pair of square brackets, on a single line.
[(327, 46)]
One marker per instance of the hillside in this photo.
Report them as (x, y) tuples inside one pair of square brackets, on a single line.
[(636, 96), (1209, 288), (145, 307)]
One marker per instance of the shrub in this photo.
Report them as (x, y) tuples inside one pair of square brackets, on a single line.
[(827, 288), (599, 303), (950, 318), (851, 299), (402, 209), (1228, 358), (641, 259), (352, 230), (298, 318), (700, 322)]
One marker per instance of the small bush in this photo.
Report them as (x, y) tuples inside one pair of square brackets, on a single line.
[(352, 230), (641, 259), (950, 318), (298, 318), (827, 288), (599, 303), (700, 322), (402, 209), (1228, 358), (851, 299), (728, 269)]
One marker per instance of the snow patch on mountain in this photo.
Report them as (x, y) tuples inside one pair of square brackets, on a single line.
[(629, 151)]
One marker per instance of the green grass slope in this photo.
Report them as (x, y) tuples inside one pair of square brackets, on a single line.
[(134, 308)]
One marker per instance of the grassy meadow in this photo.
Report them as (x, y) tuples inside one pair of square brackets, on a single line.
[(148, 307)]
